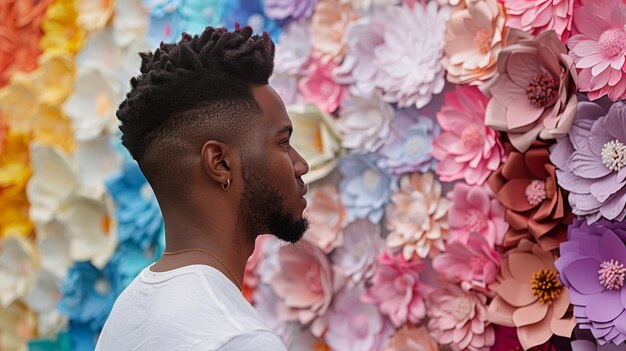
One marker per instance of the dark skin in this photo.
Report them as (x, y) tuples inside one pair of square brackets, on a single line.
[(218, 225)]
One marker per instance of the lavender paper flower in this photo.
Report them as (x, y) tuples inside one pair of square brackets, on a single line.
[(592, 266), (407, 148), (365, 188), (591, 161), (289, 9)]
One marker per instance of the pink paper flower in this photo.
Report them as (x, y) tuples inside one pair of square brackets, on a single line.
[(466, 148), (319, 87), (473, 264), (598, 48), (306, 284), (475, 210), (327, 217), (251, 278), (459, 318), (534, 92), (397, 290), (538, 16)]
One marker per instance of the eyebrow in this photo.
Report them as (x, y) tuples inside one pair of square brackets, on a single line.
[(285, 129)]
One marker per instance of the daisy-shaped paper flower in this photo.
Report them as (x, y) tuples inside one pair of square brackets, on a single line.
[(365, 188), (318, 86), (591, 162), (18, 326), (411, 338), (316, 138), (592, 266), (416, 217), (293, 48), (18, 267), (533, 94), (530, 296), (534, 205), (459, 318), (359, 252), (474, 209), (364, 122), (466, 148), (95, 14), (538, 16), (598, 48), (130, 22), (328, 25), (355, 325), (474, 37), (60, 30), (397, 290), (289, 9), (327, 217), (407, 147), (416, 36)]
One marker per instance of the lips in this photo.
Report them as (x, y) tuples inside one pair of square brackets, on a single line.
[(305, 189)]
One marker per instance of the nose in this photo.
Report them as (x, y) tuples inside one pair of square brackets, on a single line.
[(300, 166)]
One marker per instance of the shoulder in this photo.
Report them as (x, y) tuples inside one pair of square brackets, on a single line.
[(260, 340)]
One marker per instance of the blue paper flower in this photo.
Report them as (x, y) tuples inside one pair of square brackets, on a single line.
[(250, 13), (198, 14), (167, 29), (161, 8), (365, 188), (131, 259), (138, 214), (83, 338)]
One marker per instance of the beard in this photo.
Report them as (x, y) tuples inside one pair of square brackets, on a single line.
[(264, 207)]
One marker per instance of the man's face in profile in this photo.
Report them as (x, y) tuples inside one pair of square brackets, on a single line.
[(272, 201)]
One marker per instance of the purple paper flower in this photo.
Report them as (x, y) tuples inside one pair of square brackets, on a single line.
[(289, 9), (591, 161), (592, 266)]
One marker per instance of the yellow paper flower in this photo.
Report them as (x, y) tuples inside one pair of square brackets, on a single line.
[(18, 324), (61, 31), (14, 218), (18, 267), (14, 167), (95, 14), (53, 80), (54, 128)]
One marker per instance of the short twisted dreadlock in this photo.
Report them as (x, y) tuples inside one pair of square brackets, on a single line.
[(191, 91)]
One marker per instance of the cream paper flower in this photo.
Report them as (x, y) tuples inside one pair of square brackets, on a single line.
[(18, 326), (54, 247), (316, 139), (364, 122), (96, 161), (53, 80), (18, 265), (43, 300), (94, 14), (18, 103), (102, 48), (130, 23)]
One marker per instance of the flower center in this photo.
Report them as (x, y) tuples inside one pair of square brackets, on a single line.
[(414, 147), (462, 308), (371, 179), (482, 40), (401, 283), (103, 105), (360, 325), (535, 192), (472, 138), (102, 287), (546, 286), (542, 90), (614, 155), (478, 265), (475, 221), (612, 43), (313, 278), (612, 274)]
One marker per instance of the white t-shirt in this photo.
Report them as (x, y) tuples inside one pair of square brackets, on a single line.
[(189, 308)]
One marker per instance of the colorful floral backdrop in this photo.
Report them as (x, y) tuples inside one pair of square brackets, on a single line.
[(468, 170)]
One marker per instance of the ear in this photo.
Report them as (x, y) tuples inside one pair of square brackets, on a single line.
[(216, 161)]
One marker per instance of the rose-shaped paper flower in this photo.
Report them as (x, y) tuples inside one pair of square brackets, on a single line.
[(599, 48), (61, 31), (359, 252), (530, 296), (365, 188), (130, 23), (315, 137), (327, 217), (94, 14), (18, 267), (138, 215), (506, 340), (18, 326), (397, 290), (534, 205), (534, 93), (591, 162), (318, 86), (474, 264), (416, 216), (474, 38), (365, 122), (459, 318), (293, 48), (538, 16), (289, 9), (355, 325), (592, 266), (306, 300), (359, 67), (328, 25), (411, 338), (407, 148), (466, 148), (416, 36), (475, 210)]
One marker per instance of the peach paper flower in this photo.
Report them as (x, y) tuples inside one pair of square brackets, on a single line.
[(474, 37), (95, 14), (328, 25), (411, 338), (327, 216), (530, 296), (534, 93)]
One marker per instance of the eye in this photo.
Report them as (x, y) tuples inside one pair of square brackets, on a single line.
[(285, 144)]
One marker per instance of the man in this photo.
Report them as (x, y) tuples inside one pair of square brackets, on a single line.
[(212, 138)]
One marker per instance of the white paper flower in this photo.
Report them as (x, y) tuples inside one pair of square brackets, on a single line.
[(18, 327), (97, 160), (54, 247), (101, 48), (409, 59), (293, 48), (18, 266), (43, 299), (94, 14), (130, 23), (364, 122), (129, 64), (92, 106)]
